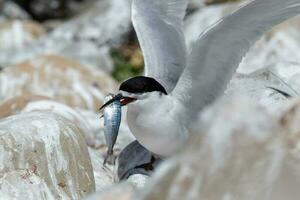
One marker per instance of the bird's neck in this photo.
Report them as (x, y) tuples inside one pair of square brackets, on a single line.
[(156, 106), (155, 118), (152, 103)]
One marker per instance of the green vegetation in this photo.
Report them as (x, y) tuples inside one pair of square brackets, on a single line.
[(124, 68)]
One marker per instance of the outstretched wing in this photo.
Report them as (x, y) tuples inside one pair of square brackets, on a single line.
[(217, 53), (158, 24)]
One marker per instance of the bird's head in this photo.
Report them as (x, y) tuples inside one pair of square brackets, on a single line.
[(137, 89)]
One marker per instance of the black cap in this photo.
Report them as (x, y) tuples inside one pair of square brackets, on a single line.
[(142, 84)]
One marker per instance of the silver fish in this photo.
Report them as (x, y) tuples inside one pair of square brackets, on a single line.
[(112, 119)]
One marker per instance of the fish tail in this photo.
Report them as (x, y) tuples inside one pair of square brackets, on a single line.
[(109, 158)]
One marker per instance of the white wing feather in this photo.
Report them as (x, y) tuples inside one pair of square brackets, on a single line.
[(218, 52), (158, 24)]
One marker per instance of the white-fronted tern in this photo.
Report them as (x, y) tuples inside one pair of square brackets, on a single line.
[(164, 103)]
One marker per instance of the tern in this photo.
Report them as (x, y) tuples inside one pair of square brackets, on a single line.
[(163, 104)]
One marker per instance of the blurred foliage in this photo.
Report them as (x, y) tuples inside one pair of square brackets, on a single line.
[(128, 59), (128, 62)]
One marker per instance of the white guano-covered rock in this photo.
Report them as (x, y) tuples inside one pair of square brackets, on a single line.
[(31, 103), (59, 78), (66, 112), (25, 184), (87, 37), (138, 180), (14, 105), (289, 120), (280, 45), (122, 191), (104, 175), (50, 147), (17, 34), (11, 10)]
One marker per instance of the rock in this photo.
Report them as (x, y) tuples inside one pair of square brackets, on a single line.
[(277, 46), (16, 104), (11, 10), (104, 175), (93, 25), (90, 33), (50, 147), (138, 180), (24, 184), (40, 103), (89, 124), (18, 34), (66, 112), (239, 152), (87, 38), (122, 191), (59, 78), (290, 123)]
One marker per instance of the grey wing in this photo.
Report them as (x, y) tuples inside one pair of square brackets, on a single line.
[(158, 24), (218, 52)]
